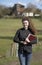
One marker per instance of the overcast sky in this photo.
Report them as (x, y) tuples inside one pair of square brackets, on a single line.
[(10, 3)]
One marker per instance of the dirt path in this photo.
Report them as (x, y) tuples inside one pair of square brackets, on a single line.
[(36, 57)]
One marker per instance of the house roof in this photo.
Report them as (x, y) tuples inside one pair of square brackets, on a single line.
[(27, 10)]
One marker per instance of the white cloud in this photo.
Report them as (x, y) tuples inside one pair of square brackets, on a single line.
[(38, 1), (22, 3)]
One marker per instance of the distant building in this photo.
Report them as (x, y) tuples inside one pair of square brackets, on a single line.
[(37, 15), (18, 9), (27, 12)]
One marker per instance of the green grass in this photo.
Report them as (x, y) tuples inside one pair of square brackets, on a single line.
[(37, 63), (37, 24), (4, 46), (8, 28), (37, 47)]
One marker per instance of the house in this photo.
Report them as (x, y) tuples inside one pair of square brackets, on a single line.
[(31, 13), (18, 9), (37, 15), (27, 12)]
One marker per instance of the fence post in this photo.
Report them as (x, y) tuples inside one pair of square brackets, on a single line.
[(14, 50)]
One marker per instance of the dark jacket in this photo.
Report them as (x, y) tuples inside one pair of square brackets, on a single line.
[(21, 35)]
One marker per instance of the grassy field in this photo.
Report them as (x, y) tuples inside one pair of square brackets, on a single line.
[(8, 28)]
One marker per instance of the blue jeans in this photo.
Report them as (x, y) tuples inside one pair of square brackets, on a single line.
[(24, 58)]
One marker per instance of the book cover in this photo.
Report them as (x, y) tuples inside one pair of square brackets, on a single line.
[(31, 37)]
